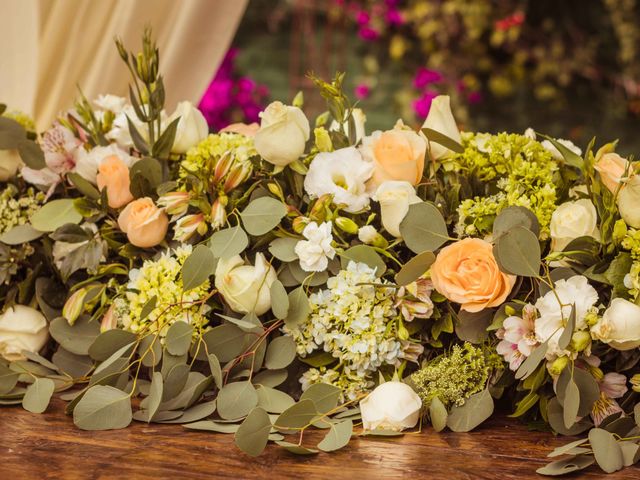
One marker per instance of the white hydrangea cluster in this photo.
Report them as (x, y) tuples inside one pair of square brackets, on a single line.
[(350, 383), (161, 278), (353, 321)]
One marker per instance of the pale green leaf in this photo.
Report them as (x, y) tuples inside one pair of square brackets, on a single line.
[(103, 408), (253, 434), (178, 338), (284, 249), (272, 400), (606, 450), (54, 214), (38, 395), (228, 242), (77, 338), (423, 228), (236, 400), (262, 215), (299, 308), (438, 414), (517, 252), (415, 268), (279, 300), (324, 396), (363, 254), (475, 410), (155, 395), (280, 353), (198, 267), (20, 234)]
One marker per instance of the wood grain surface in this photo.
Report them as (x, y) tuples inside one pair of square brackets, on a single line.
[(48, 446)]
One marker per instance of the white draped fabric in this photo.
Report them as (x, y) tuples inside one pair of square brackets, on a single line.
[(49, 48)]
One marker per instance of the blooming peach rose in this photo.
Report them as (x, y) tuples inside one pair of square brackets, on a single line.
[(466, 272), (611, 167), (114, 175), (396, 154), (144, 223), (242, 128)]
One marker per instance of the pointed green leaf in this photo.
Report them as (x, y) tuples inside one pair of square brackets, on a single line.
[(337, 437), (54, 214), (228, 242), (280, 353), (262, 215), (178, 339), (236, 400), (198, 267)]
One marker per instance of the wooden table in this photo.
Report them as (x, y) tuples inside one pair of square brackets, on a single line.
[(48, 446)]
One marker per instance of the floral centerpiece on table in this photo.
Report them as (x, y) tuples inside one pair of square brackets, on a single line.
[(266, 281)]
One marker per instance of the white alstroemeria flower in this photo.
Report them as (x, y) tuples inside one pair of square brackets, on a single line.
[(316, 250), (343, 174)]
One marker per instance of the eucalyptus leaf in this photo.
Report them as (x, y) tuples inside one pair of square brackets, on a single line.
[(364, 254), (337, 437), (76, 339), (228, 242), (565, 337), (270, 378), (262, 215), (253, 434), (297, 416), (517, 252), (20, 234), (438, 414), (472, 326), (532, 361), (107, 343), (567, 465), (280, 352), (103, 408), (83, 185), (225, 342), (198, 267), (236, 400), (73, 365), (324, 396), (475, 410), (175, 380), (54, 214), (155, 395), (296, 449), (571, 404), (415, 268), (424, 228), (515, 216), (8, 379), (216, 371), (211, 426), (38, 395), (195, 413), (279, 300), (178, 338), (284, 249), (299, 308), (606, 450), (272, 400)]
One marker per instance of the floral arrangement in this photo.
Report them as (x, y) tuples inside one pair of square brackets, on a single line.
[(268, 280)]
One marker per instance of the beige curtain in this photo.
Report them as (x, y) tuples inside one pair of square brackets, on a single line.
[(50, 47)]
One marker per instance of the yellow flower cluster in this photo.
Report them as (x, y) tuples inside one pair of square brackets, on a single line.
[(17, 211)]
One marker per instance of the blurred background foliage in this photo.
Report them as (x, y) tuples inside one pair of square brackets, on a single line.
[(570, 68)]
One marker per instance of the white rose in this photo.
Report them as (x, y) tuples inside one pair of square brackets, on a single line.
[(572, 220), (88, 162), (441, 120), (391, 406), (359, 118), (629, 202), (22, 328), (314, 252), (619, 326), (192, 127), (395, 197), (343, 174), (245, 287), (284, 131), (10, 161), (568, 144)]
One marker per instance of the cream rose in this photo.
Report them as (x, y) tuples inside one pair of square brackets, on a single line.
[(612, 168), (145, 224), (10, 162), (619, 326), (391, 406), (629, 202), (192, 127), (396, 154), (284, 131), (113, 174), (395, 197), (22, 328), (441, 120), (466, 272), (572, 220), (245, 288)]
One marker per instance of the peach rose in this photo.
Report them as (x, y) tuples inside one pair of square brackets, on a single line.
[(114, 175), (466, 272), (242, 128), (612, 168), (397, 154), (144, 223)]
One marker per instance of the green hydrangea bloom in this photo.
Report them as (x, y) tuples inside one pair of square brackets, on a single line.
[(516, 171), (16, 210), (162, 279), (631, 242), (456, 376)]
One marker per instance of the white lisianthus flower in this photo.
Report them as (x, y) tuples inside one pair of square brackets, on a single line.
[(284, 131), (359, 118), (619, 326), (367, 234), (10, 161), (22, 328), (343, 174), (89, 162), (245, 288), (395, 197), (551, 148), (553, 315), (442, 121), (628, 201), (314, 252), (572, 220), (391, 406), (192, 127), (120, 129)]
